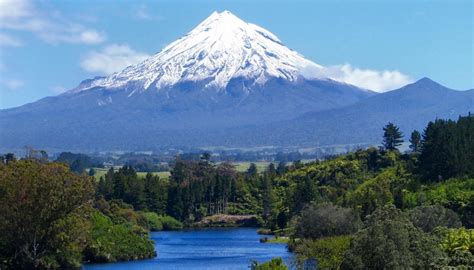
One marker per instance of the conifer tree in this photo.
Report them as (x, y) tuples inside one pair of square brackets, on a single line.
[(392, 137), (415, 141)]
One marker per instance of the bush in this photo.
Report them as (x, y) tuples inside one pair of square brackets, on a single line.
[(390, 241), (454, 194), (458, 245), (429, 217), (326, 219), (373, 193), (273, 264), (170, 223), (329, 251), (117, 242), (153, 221)]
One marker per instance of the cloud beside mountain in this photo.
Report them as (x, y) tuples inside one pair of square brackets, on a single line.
[(375, 80), (112, 58)]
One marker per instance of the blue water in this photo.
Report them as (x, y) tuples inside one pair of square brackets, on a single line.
[(208, 249)]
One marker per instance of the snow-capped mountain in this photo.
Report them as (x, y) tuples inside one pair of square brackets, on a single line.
[(220, 48), (223, 74)]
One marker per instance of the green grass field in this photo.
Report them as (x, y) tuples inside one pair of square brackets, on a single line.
[(101, 172), (243, 166), (239, 166)]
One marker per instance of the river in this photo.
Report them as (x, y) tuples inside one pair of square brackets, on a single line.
[(231, 248)]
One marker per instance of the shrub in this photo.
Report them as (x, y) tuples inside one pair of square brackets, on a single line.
[(326, 219), (153, 221), (328, 251), (458, 244), (373, 193), (273, 264), (429, 217), (390, 241), (117, 242), (170, 223), (454, 194)]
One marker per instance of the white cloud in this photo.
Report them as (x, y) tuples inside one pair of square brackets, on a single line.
[(111, 59), (73, 36), (9, 41), (22, 15), (379, 81), (13, 84), (143, 13), (14, 9)]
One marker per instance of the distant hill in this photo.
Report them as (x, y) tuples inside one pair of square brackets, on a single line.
[(409, 107)]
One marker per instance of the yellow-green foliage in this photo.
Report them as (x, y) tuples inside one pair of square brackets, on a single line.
[(455, 194), (328, 251), (458, 244), (170, 223), (373, 193), (153, 221), (458, 240), (274, 264)]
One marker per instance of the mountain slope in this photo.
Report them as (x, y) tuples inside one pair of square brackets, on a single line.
[(410, 107), (224, 73)]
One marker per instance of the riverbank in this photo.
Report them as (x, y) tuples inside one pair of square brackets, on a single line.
[(222, 220)]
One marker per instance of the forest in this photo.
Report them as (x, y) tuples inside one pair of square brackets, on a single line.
[(368, 209)]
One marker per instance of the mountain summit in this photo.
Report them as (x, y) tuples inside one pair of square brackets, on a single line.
[(220, 48)]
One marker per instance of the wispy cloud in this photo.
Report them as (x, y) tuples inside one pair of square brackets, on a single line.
[(9, 41), (23, 15), (13, 84), (142, 12), (376, 80), (111, 59)]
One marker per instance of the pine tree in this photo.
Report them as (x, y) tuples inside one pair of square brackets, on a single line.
[(252, 170), (281, 168), (415, 141), (392, 137)]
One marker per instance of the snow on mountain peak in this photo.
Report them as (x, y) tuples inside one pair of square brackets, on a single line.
[(220, 48)]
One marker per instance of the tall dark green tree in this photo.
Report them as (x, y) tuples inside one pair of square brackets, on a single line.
[(268, 195), (448, 149), (415, 141), (392, 137), (156, 194), (252, 170), (281, 168)]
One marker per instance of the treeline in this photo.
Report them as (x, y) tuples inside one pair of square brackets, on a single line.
[(382, 209), (194, 190), (447, 149)]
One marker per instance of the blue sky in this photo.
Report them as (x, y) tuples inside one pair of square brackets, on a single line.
[(47, 47)]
